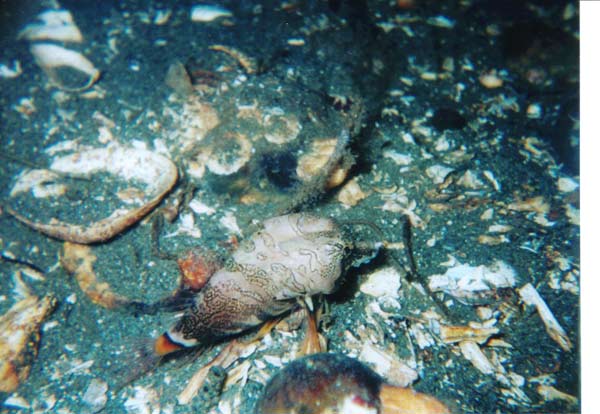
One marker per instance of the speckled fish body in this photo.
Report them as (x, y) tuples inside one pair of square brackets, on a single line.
[(293, 256)]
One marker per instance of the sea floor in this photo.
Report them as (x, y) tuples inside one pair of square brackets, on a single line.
[(458, 117)]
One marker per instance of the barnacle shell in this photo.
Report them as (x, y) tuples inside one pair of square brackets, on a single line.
[(281, 128), (312, 163), (228, 154), (19, 335)]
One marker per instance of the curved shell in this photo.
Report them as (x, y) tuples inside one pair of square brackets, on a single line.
[(156, 172)]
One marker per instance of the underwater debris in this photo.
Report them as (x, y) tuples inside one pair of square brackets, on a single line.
[(530, 296), (384, 362), (157, 172), (474, 284), (208, 12), (311, 164), (230, 354), (10, 73), (453, 334), (79, 260), (54, 25), (95, 395), (19, 338), (178, 79), (549, 393), (249, 64), (351, 194), (227, 154), (326, 383), (281, 128), (491, 80), (51, 57)]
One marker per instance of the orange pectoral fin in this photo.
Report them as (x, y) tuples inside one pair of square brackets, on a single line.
[(164, 345)]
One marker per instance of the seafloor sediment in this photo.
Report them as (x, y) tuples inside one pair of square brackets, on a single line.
[(148, 129)]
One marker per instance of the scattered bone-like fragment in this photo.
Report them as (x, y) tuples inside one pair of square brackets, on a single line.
[(79, 260), (452, 334), (385, 363), (470, 283), (157, 172), (549, 393), (530, 296), (19, 336), (473, 353)]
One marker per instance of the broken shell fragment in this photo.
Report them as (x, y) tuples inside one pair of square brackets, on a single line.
[(530, 296), (19, 336), (313, 162), (79, 260), (228, 356), (208, 12), (51, 58), (453, 334), (54, 25), (351, 194), (157, 172), (470, 283), (247, 63)]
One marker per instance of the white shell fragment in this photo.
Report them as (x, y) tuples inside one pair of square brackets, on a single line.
[(9, 73), (351, 194), (384, 282), (208, 13), (95, 395), (50, 57), (473, 353), (386, 364), (530, 296), (53, 25), (549, 393), (155, 171), (468, 282)]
